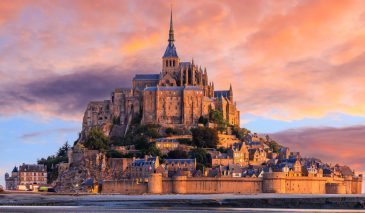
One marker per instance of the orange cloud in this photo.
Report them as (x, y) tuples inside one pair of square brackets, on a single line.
[(333, 145), (285, 59)]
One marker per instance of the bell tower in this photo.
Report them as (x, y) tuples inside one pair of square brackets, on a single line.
[(170, 60)]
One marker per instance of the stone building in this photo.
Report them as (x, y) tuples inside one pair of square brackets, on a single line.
[(142, 168), (221, 159), (186, 166), (31, 176), (177, 96), (239, 153), (12, 181), (257, 156), (165, 144)]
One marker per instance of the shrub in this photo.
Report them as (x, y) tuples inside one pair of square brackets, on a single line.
[(177, 154), (204, 137), (201, 156), (96, 140)]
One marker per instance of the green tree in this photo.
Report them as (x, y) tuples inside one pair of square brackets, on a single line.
[(222, 150), (204, 137), (203, 120), (114, 154), (202, 157), (186, 141), (52, 161), (140, 142), (153, 150), (216, 117), (274, 146), (96, 140), (171, 131), (62, 152), (177, 154), (149, 130)]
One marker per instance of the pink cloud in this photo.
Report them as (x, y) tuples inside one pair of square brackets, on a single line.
[(335, 145), (286, 59)]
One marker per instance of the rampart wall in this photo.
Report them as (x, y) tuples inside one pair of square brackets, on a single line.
[(276, 182)]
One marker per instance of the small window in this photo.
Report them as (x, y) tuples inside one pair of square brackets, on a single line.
[(167, 63)]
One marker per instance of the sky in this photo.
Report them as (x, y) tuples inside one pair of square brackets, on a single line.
[(296, 67)]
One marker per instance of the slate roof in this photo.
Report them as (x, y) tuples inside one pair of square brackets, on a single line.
[(163, 140), (32, 168), (181, 161), (170, 51), (147, 77), (221, 93), (184, 64), (15, 169), (252, 143), (176, 88), (142, 162)]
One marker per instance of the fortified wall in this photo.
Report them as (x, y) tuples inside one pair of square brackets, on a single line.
[(275, 182)]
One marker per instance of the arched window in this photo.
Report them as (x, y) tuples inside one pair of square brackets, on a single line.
[(167, 63), (173, 63)]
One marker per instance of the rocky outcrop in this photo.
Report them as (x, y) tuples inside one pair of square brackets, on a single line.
[(84, 165)]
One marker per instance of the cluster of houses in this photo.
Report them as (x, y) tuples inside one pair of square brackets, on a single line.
[(236, 158), (28, 177), (232, 158)]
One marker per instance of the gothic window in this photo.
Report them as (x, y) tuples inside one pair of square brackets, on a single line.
[(173, 62), (167, 63)]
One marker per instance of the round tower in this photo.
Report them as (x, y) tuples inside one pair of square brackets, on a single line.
[(274, 182), (179, 184), (155, 183)]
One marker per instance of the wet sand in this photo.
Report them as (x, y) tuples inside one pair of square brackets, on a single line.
[(37, 202)]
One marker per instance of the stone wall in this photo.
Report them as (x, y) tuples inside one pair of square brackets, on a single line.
[(126, 186), (276, 182)]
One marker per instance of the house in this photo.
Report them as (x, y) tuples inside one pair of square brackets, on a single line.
[(284, 153), (221, 159), (165, 144), (186, 166), (257, 156), (31, 176), (239, 153), (143, 168), (11, 182)]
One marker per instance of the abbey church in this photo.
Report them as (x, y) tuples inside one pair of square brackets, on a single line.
[(175, 97)]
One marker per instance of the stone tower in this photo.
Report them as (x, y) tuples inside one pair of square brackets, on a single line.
[(170, 60)]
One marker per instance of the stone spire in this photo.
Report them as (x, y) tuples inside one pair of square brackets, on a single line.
[(171, 32), (230, 93), (171, 50)]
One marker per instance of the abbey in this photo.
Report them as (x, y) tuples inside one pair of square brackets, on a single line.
[(175, 97)]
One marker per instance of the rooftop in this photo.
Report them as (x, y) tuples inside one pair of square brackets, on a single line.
[(221, 93), (176, 88), (146, 77)]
